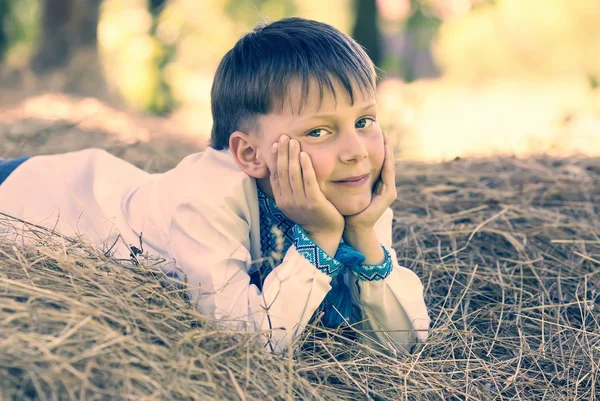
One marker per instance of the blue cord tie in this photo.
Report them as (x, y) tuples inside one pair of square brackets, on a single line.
[(338, 306)]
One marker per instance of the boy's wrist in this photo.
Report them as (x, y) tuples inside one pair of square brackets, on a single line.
[(327, 241), (358, 231), (366, 242)]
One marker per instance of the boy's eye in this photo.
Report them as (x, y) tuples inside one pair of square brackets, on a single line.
[(317, 133), (364, 122)]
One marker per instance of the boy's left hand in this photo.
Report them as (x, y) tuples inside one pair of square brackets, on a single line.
[(384, 194)]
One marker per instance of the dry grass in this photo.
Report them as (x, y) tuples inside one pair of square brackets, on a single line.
[(508, 251)]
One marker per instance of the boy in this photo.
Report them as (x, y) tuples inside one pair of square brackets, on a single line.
[(287, 213)]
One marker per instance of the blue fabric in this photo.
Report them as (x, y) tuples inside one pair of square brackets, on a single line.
[(7, 166), (348, 255), (338, 305), (278, 233), (373, 272), (276, 236), (314, 254)]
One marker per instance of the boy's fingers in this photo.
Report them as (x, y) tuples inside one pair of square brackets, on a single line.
[(388, 173), (295, 172), (283, 168), (274, 178), (311, 187), (275, 183)]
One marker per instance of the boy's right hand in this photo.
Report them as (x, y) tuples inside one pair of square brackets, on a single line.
[(299, 197)]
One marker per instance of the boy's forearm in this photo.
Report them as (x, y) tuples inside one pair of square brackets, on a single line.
[(367, 243), (329, 242)]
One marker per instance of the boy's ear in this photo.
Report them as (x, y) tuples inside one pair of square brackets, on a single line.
[(245, 154)]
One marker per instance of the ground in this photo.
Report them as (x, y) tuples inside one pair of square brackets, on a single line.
[(507, 249)]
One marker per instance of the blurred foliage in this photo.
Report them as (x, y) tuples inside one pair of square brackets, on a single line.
[(522, 38), (21, 26), (160, 55), (159, 62), (246, 11), (422, 24), (366, 31), (129, 53)]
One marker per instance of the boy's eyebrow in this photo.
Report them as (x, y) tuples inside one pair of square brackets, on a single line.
[(323, 115)]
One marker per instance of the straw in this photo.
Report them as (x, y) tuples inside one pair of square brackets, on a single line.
[(508, 251)]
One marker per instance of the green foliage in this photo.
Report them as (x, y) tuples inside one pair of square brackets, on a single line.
[(22, 27), (249, 12), (541, 38), (162, 101), (422, 25), (160, 55), (594, 82)]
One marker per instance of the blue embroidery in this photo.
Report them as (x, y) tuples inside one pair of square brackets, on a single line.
[(278, 233), (374, 272), (314, 254), (276, 236)]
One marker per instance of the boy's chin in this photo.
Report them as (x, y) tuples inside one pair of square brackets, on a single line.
[(354, 206)]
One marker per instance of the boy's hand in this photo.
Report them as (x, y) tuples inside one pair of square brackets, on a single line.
[(384, 194), (298, 195)]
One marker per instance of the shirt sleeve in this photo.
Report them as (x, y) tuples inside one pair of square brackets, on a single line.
[(210, 243), (381, 271), (393, 305), (314, 254)]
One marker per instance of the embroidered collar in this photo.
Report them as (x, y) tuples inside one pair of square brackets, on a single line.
[(276, 236)]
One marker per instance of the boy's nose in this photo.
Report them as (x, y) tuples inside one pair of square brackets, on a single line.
[(352, 147)]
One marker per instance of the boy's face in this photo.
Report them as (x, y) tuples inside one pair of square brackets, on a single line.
[(342, 140)]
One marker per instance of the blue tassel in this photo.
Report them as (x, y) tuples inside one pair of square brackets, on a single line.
[(338, 304), (349, 256)]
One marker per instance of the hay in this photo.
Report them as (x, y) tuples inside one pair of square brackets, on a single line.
[(76, 325), (508, 251)]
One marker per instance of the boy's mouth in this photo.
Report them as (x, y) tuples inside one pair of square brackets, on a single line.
[(355, 180)]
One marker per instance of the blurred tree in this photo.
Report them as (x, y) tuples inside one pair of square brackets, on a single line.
[(19, 31), (366, 31), (156, 7), (3, 37), (420, 30), (67, 26), (251, 12), (516, 38), (162, 100)]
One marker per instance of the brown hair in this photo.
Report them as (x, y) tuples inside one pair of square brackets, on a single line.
[(253, 77)]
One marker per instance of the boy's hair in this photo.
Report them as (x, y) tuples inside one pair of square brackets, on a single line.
[(254, 76)]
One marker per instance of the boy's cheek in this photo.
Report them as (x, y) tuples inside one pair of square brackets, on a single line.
[(377, 156), (268, 158)]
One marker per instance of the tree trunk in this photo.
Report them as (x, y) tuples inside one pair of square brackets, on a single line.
[(418, 62), (156, 7), (67, 26), (366, 30), (3, 39)]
